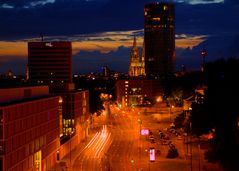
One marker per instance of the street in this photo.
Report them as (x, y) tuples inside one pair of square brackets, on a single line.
[(119, 146)]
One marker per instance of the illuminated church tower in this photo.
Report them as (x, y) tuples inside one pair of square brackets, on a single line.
[(136, 67)]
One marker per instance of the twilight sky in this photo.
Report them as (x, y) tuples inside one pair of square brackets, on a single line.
[(102, 30)]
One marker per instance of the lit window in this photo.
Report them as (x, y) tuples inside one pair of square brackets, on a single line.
[(126, 82), (51, 81), (165, 7), (127, 85), (156, 19), (151, 59)]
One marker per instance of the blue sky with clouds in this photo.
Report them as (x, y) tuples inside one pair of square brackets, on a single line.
[(102, 30)]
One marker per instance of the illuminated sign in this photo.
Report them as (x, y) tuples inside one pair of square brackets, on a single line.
[(48, 44), (152, 154), (144, 131)]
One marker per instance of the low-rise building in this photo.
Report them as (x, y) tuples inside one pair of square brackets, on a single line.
[(137, 91), (29, 129)]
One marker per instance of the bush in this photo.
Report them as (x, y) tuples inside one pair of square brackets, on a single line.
[(172, 153)]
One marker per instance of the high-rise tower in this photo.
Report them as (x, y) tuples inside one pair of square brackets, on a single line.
[(50, 62), (159, 38)]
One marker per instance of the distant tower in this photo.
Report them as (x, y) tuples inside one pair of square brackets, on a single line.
[(203, 54), (159, 38), (27, 72), (105, 71), (136, 65)]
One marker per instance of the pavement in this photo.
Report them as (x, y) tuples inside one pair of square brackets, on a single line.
[(65, 163)]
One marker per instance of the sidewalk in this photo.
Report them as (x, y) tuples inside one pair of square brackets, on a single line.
[(68, 160)]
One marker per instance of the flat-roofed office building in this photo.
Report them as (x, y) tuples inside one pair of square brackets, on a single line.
[(29, 129), (50, 62)]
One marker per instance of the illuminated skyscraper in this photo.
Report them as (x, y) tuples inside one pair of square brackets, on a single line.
[(159, 38)]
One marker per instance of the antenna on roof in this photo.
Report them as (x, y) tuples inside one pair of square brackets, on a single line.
[(42, 37)]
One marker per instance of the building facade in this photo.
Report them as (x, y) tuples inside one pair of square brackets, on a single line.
[(74, 111), (136, 67), (29, 125), (136, 91), (159, 39), (50, 63)]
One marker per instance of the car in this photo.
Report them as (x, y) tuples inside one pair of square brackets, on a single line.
[(158, 152), (171, 145), (151, 137), (150, 132), (165, 142), (152, 141), (179, 137), (166, 137)]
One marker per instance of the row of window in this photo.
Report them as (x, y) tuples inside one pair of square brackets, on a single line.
[(22, 125), (25, 153), (43, 60), (30, 108)]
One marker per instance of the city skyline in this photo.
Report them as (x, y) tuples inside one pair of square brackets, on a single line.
[(102, 35)]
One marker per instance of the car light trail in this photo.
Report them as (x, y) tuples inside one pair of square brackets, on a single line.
[(92, 140), (102, 147)]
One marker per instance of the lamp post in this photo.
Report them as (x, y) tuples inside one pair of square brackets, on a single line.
[(170, 112), (158, 100), (191, 149), (203, 54), (199, 156)]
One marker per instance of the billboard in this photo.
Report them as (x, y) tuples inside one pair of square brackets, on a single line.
[(152, 154), (144, 131)]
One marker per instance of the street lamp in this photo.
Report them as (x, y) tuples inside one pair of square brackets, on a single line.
[(170, 110), (159, 99), (140, 123)]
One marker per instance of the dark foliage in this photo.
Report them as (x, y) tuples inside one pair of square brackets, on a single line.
[(220, 111), (172, 153), (95, 87), (181, 86), (179, 121)]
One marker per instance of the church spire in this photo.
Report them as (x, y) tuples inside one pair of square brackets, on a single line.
[(135, 68), (134, 43)]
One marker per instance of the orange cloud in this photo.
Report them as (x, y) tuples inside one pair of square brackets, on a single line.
[(103, 46), (103, 42), (189, 41), (12, 50)]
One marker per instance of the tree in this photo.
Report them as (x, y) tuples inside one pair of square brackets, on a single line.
[(219, 111)]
